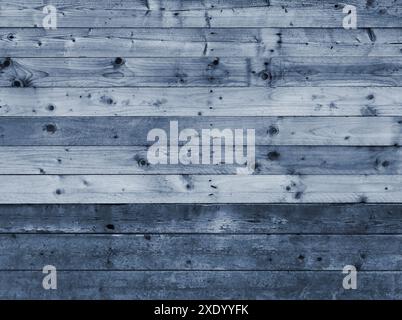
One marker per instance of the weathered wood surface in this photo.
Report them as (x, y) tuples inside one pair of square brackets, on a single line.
[(77, 191), (133, 160), (201, 285), (180, 5), (195, 42), (151, 14), (20, 189), (207, 71), (166, 5), (114, 131), (200, 252), (195, 101), (218, 219)]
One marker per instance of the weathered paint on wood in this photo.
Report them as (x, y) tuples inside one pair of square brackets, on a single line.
[(21, 189), (133, 160), (196, 42), (193, 219), (201, 285), (279, 14), (200, 252), (195, 101), (114, 131)]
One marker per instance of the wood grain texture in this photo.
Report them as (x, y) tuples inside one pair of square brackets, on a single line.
[(169, 5), (199, 42), (195, 101), (201, 252), (111, 72), (194, 219), (333, 71), (207, 71), (118, 131), (133, 160), (208, 14), (77, 190), (166, 5), (200, 285), (24, 189)]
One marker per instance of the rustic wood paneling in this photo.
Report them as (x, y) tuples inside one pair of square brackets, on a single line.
[(133, 160), (113, 131), (189, 218), (201, 252), (200, 189), (201, 285), (205, 14), (195, 101), (77, 190), (199, 42), (204, 72)]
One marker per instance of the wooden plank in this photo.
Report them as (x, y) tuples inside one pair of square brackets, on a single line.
[(200, 252), (166, 5), (334, 71), (30, 189), (115, 131), (133, 160), (238, 14), (241, 72), (190, 42), (118, 72), (280, 101), (200, 285), (189, 218)]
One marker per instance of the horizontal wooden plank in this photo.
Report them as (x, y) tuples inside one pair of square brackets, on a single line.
[(133, 160), (241, 72), (334, 71), (191, 42), (29, 189), (189, 218), (254, 101), (166, 5), (115, 131), (200, 252), (200, 285), (236, 14), (118, 72)]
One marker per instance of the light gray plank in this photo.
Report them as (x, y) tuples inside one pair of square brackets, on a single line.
[(29, 189), (200, 252), (200, 285), (241, 72), (255, 101), (190, 42), (189, 218), (134, 160), (115, 131), (237, 14), (118, 72), (166, 5)]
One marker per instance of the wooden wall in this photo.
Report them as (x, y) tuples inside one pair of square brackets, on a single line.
[(77, 191)]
